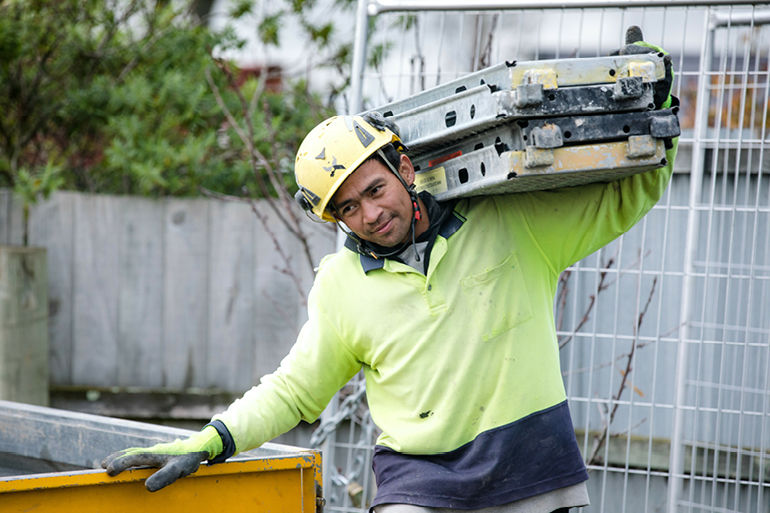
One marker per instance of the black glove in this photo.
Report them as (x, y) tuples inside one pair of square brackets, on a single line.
[(176, 459), (635, 45), (380, 122)]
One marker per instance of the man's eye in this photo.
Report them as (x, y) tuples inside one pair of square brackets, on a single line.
[(376, 190)]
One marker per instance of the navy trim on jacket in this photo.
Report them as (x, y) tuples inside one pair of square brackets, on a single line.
[(528, 457), (228, 444)]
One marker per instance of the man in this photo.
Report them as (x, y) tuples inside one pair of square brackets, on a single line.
[(448, 308)]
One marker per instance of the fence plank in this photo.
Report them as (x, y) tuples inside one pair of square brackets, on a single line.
[(140, 324), (11, 218), (96, 270), (276, 299), (185, 292), (166, 293), (23, 324), (5, 215), (231, 324), (51, 225)]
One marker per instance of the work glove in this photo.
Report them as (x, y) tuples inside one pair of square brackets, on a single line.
[(175, 459), (380, 122), (635, 45)]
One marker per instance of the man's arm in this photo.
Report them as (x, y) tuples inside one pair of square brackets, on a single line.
[(318, 365), (571, 223)]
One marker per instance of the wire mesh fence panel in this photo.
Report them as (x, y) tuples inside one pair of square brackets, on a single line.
[(665, 333), (724, 391)]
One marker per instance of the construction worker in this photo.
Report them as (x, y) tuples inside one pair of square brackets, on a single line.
[(448, 308)]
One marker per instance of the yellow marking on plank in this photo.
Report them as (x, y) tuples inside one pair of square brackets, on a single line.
[(433, 180)]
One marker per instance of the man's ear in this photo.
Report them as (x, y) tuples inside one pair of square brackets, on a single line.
[(406, 170)]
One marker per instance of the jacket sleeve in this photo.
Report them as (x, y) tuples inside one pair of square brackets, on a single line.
[(569, 224), (318, 365)]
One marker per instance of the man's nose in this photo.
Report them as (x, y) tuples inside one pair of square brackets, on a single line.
[(371, 211)]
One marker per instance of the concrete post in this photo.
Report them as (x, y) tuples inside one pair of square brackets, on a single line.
[(24, 325)]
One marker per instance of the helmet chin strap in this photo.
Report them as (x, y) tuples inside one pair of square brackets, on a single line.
[(417, 215), (364, 248)]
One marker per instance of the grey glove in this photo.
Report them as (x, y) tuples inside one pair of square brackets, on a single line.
[(176, 459), (381, 123)]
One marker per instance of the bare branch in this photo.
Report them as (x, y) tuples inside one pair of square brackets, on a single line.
[(261, 85), (624, 379), (262, 219), (286, 258), (629, 430), (600, 287), (257, 159), (224, 197), (281, 312), (562, 299), (221, 102), (485, 59)]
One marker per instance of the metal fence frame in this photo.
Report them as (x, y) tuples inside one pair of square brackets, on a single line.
[(695, 280)]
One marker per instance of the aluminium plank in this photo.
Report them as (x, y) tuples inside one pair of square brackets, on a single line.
[(474, 111), (558, 72), (487, 172), (560, 131)]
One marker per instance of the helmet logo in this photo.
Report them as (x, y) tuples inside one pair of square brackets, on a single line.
[(322, 155), (365, 137), (334, 167)]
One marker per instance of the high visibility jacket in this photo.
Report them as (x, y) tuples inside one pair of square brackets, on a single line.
[(461, 363)]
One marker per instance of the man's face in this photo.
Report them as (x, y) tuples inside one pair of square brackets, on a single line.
[(374, 203)]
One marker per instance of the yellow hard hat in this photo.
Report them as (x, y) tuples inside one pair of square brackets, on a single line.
[(330, 153)]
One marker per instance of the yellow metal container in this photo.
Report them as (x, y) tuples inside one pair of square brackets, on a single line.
[(274, 478)]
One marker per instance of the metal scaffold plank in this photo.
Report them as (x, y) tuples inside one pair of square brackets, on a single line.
[(474, 111), (487, 172), (565, 72), (537, 125), (557, 132)]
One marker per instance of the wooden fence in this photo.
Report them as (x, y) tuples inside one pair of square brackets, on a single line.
[(165, 293)]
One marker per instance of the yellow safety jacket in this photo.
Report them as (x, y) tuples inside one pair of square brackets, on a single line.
[(462, 363)]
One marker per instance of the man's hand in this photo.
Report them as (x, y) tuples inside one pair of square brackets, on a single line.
[(176, 459), (380, 122), (635, 45)]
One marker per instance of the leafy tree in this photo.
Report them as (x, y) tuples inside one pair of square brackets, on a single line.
[(115, 97)]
